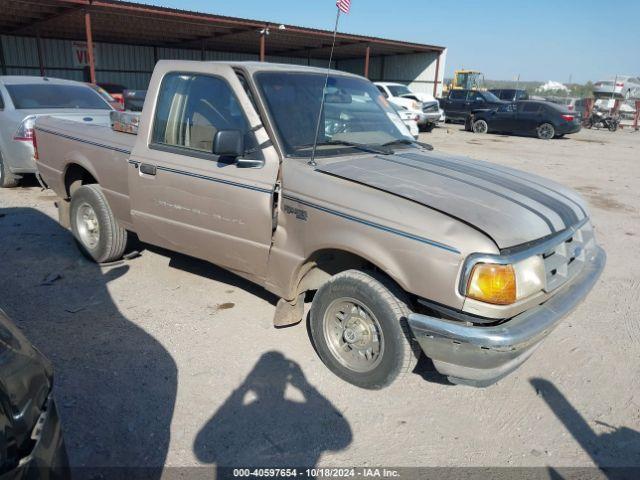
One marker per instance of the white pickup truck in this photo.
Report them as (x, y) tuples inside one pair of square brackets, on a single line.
[(423, 105)]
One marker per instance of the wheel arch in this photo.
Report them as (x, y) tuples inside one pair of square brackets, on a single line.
[(77, 174), (326, 262)]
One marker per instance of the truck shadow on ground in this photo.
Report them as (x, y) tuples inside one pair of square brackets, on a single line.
[(115, 384), (616, 453), (275, 418), (208, 270)]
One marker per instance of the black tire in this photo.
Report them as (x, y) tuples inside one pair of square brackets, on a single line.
[(428, 127), (546, 131), (386, 303), (613, 126), (112, 238), (7, 179)]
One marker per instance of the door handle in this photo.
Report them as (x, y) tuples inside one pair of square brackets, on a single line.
[(147, 169)]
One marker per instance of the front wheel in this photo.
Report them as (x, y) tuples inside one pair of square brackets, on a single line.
[(613, 126), (480, 126), (546, 131), (94, 227), (428, 127), (359, 327)]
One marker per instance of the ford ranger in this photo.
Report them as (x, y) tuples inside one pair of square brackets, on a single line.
[(405, 250)]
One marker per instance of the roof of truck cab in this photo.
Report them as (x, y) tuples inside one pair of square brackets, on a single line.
[(252, 67), (27, 79)]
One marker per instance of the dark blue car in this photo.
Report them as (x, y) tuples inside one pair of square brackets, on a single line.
[(545, 120)]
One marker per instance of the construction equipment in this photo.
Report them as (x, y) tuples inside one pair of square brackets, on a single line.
[(466, 80)]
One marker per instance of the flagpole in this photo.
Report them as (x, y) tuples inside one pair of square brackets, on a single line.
[(312, 162)]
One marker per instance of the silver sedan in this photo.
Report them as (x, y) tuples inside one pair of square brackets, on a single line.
[(22, 100)]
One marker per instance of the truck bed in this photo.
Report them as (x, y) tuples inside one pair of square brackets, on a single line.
[(65, 146)]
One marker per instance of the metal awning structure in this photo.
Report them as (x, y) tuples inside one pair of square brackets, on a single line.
[(113, 21)]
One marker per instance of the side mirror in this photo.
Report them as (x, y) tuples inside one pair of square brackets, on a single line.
[(228, 143)]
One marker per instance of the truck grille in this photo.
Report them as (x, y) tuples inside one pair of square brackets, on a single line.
[(566, 259)]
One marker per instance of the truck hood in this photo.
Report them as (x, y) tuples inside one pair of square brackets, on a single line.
[(510, 206)]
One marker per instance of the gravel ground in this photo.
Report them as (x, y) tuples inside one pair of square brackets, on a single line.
[(166, 360)]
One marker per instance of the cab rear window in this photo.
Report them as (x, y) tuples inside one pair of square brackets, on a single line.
[(45, 96)]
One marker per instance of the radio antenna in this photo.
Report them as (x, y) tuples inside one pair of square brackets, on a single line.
[(340, 5)]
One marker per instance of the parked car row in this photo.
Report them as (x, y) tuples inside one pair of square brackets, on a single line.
[(483, 112)]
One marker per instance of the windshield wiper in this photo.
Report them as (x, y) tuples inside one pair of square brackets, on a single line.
[(406, 141), (381, 149)]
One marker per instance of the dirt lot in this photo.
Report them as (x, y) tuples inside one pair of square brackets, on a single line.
[(159, 359)]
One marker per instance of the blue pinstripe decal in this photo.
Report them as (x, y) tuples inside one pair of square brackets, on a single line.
[(214, 179), (374, 225), (89, 142), (165, 169)]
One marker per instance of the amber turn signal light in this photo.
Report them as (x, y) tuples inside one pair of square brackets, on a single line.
[(492, 283)]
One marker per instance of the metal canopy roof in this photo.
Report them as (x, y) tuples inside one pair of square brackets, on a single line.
[(139, 24)]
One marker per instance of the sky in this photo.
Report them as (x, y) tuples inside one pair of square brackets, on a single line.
[(540, 40)]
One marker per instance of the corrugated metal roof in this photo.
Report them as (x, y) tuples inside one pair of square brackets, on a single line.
[(170, 29)]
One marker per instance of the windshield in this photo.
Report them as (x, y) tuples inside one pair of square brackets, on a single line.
[(490, 97), (399, 90), (40, 96), (355, 112)]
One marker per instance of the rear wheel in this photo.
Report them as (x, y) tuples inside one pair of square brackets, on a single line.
[(613, 126), (94, 227), (359, 327), (428, 127), (480, 126), (546, 131), (7, 179)]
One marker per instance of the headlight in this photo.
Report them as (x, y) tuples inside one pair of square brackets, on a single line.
[(505, 284)]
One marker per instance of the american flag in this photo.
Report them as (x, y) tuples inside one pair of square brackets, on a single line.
[(344, 5)]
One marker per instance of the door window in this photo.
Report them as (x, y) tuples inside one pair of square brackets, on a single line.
[(530, 108), (458, 95), (192, 108), (509, 108), (383, 91)]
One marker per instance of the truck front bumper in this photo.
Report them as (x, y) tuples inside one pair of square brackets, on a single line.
[(478, 355), (428, 117)]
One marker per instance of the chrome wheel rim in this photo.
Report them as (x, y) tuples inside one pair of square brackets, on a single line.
[(546, 131), (480, 126), (87, 226), (353, 334)]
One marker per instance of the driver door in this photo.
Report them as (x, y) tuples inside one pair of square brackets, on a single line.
[(504, 118), (184, 197)]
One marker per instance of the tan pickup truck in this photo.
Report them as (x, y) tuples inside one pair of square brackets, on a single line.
[(405, 250)]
